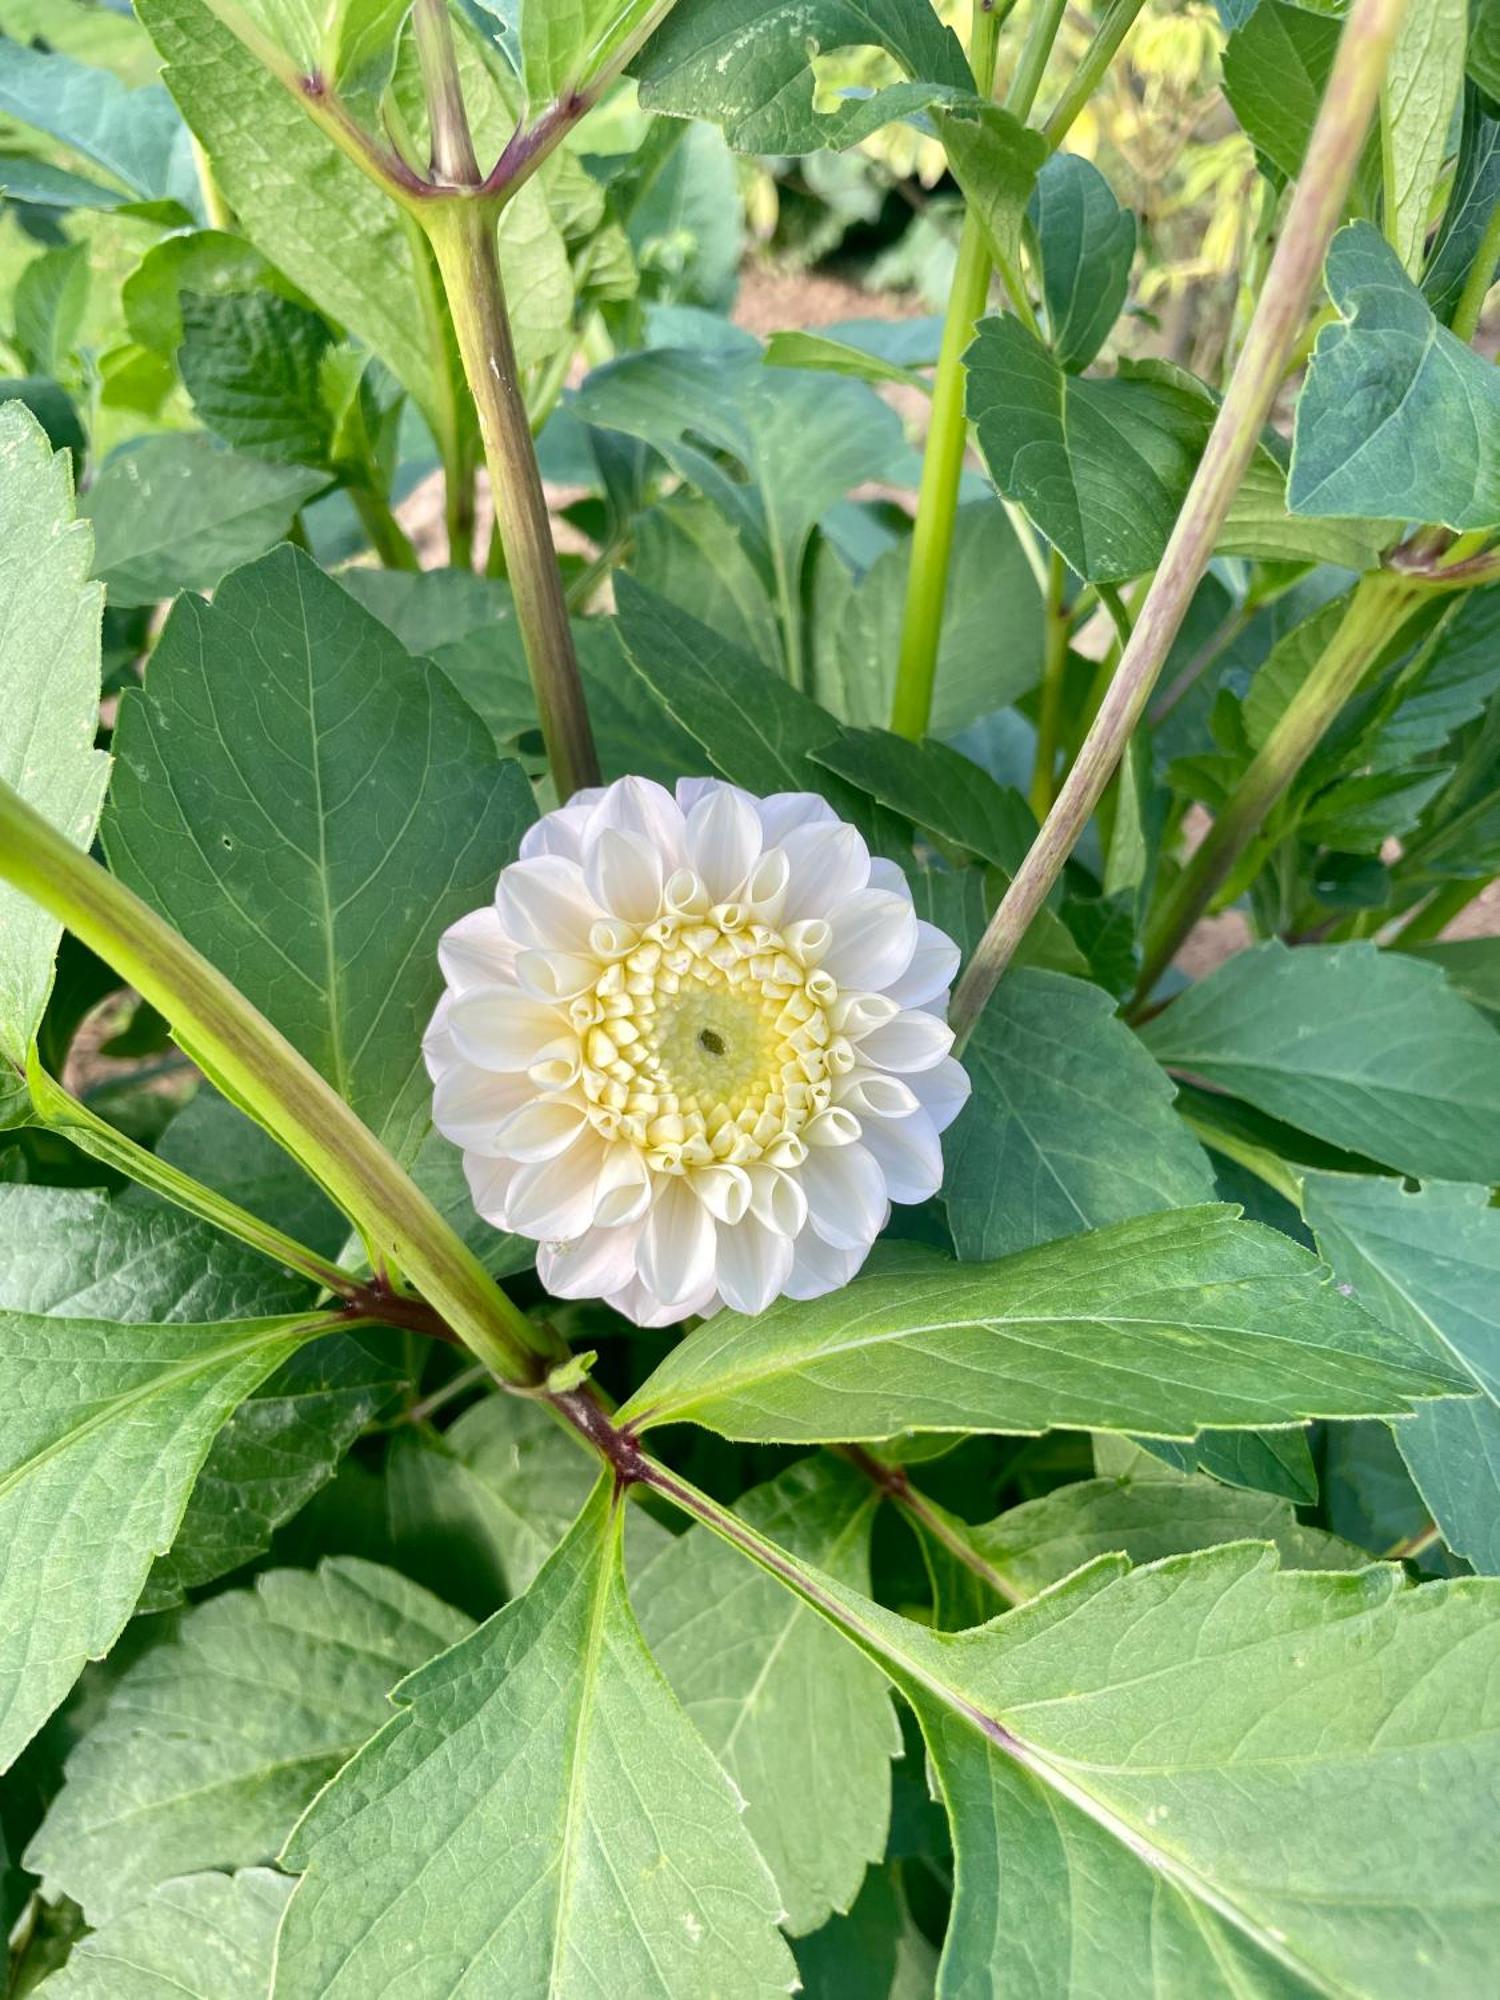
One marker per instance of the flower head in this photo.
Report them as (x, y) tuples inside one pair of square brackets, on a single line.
[(696, 1048)]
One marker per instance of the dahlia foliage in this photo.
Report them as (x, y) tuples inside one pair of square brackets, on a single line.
[(696, 1048)]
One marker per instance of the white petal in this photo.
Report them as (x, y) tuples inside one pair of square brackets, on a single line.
[(723, 1191), (439, 1052), (642, 807), (624, 875), (541, 1129), (871, 1093), (546, 905), (930, 973), (724, 841), (886, 874), (470, 1105), (837, 1126), (783, 811), (556, 975), (829, 865), (476, 952), (846, 1197), (818, 1268), (500, 1027), (874, 938), (556, 1199), (676, 1257), (942, 1092), (908, 1153), (752, 1264), (637, 1302), (599, 1261), (489, 1186), (912, 1041), (624, 1190), (561, 832), (776, 1200)]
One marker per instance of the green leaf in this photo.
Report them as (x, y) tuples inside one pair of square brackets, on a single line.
[(688, 552), (212, 1745), (995, 159), (1279, 1462), (42, 185), (1276, 68), (359, 44), (213, 263), (991, 648), (563, 1828), (216, 1143), (1418, 96), (801, 1723), (1142, 1516), (252, 364), (136, 135), (1173, 1767), (103, 1431), (49, 667), (1476, 188), (1364, 1048), (566, 43), (1070, 1125), (50, 297), (1429, 1263), (1427, 444), (875, 1953), (205, 1937), (936, 788), (796, 347), (312, 807), (174, 513), (1087, 243), (748, 66), (1163, 1324), (754, 729), (1471, 967), (1103, 464)]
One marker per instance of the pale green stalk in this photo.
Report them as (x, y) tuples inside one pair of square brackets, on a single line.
[(260, 1071), (1317, 207), (1097, 58), (1470, 308)]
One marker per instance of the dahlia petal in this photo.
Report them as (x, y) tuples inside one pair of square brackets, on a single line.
[(469, 1106), (677, 1243), (776, 1200), (872, 1093), (912, 1041), (846, 1195), (476, 952), (874, 939), (723, 841), (556, 1199), (541, 1129), (561, 832), (624, 1188), (942, 1092), (723, 1191), (930, 974), (500, 1027), (908, 1153), (555, 975), (545, 904), (439, 1052), (637, 1302), (624, 875), (886, 874), (641, 807), (783, 811), (489, 1186), (599, 1261), (828, 864), (752, 1265), (817, 1267)]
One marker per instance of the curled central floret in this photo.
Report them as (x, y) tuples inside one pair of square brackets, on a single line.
[(696, 1048), (713, 1040)]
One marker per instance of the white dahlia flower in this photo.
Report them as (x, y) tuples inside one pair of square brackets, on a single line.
[(696, 1048)]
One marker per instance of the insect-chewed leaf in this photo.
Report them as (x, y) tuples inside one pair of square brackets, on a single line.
[(311, 807), (802, 1724), (202, 1937), (1164, 1324), (49, 668), (102, 1431), (211, 1746), (1427, 444), (540, 1818), (1364, 1048), (1430, 1262)]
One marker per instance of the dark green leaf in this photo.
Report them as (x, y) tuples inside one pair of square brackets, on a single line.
[(252, 364), (1471, 966), (1476, 189), (1364, 1048), (1164, 1324), (875, 1953), (136, 135), (50, 298), (312, 807), (935, 788), (41, 185), (1070, 1125), (1276, 68), (1087, 243), (1427, 443)]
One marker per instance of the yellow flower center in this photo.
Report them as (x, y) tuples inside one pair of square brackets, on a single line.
[(712, 1040)]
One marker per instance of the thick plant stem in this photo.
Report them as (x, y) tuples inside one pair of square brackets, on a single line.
[(453, 157), (1097, 58), (462, 233), (260, 1071), (1333, 153), (1379, 607), (943, 453)]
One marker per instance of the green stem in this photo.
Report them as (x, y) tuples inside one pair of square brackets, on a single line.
[(1097, 58), (1317, 208), (1433, 917), (1054, 670), (1258, 1160), (387, 537), (893, 1483), (1379, 607), (1470, 307), (1035, 56), (462, 234), (454, 161), (61, 1112), (261, 1071)]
